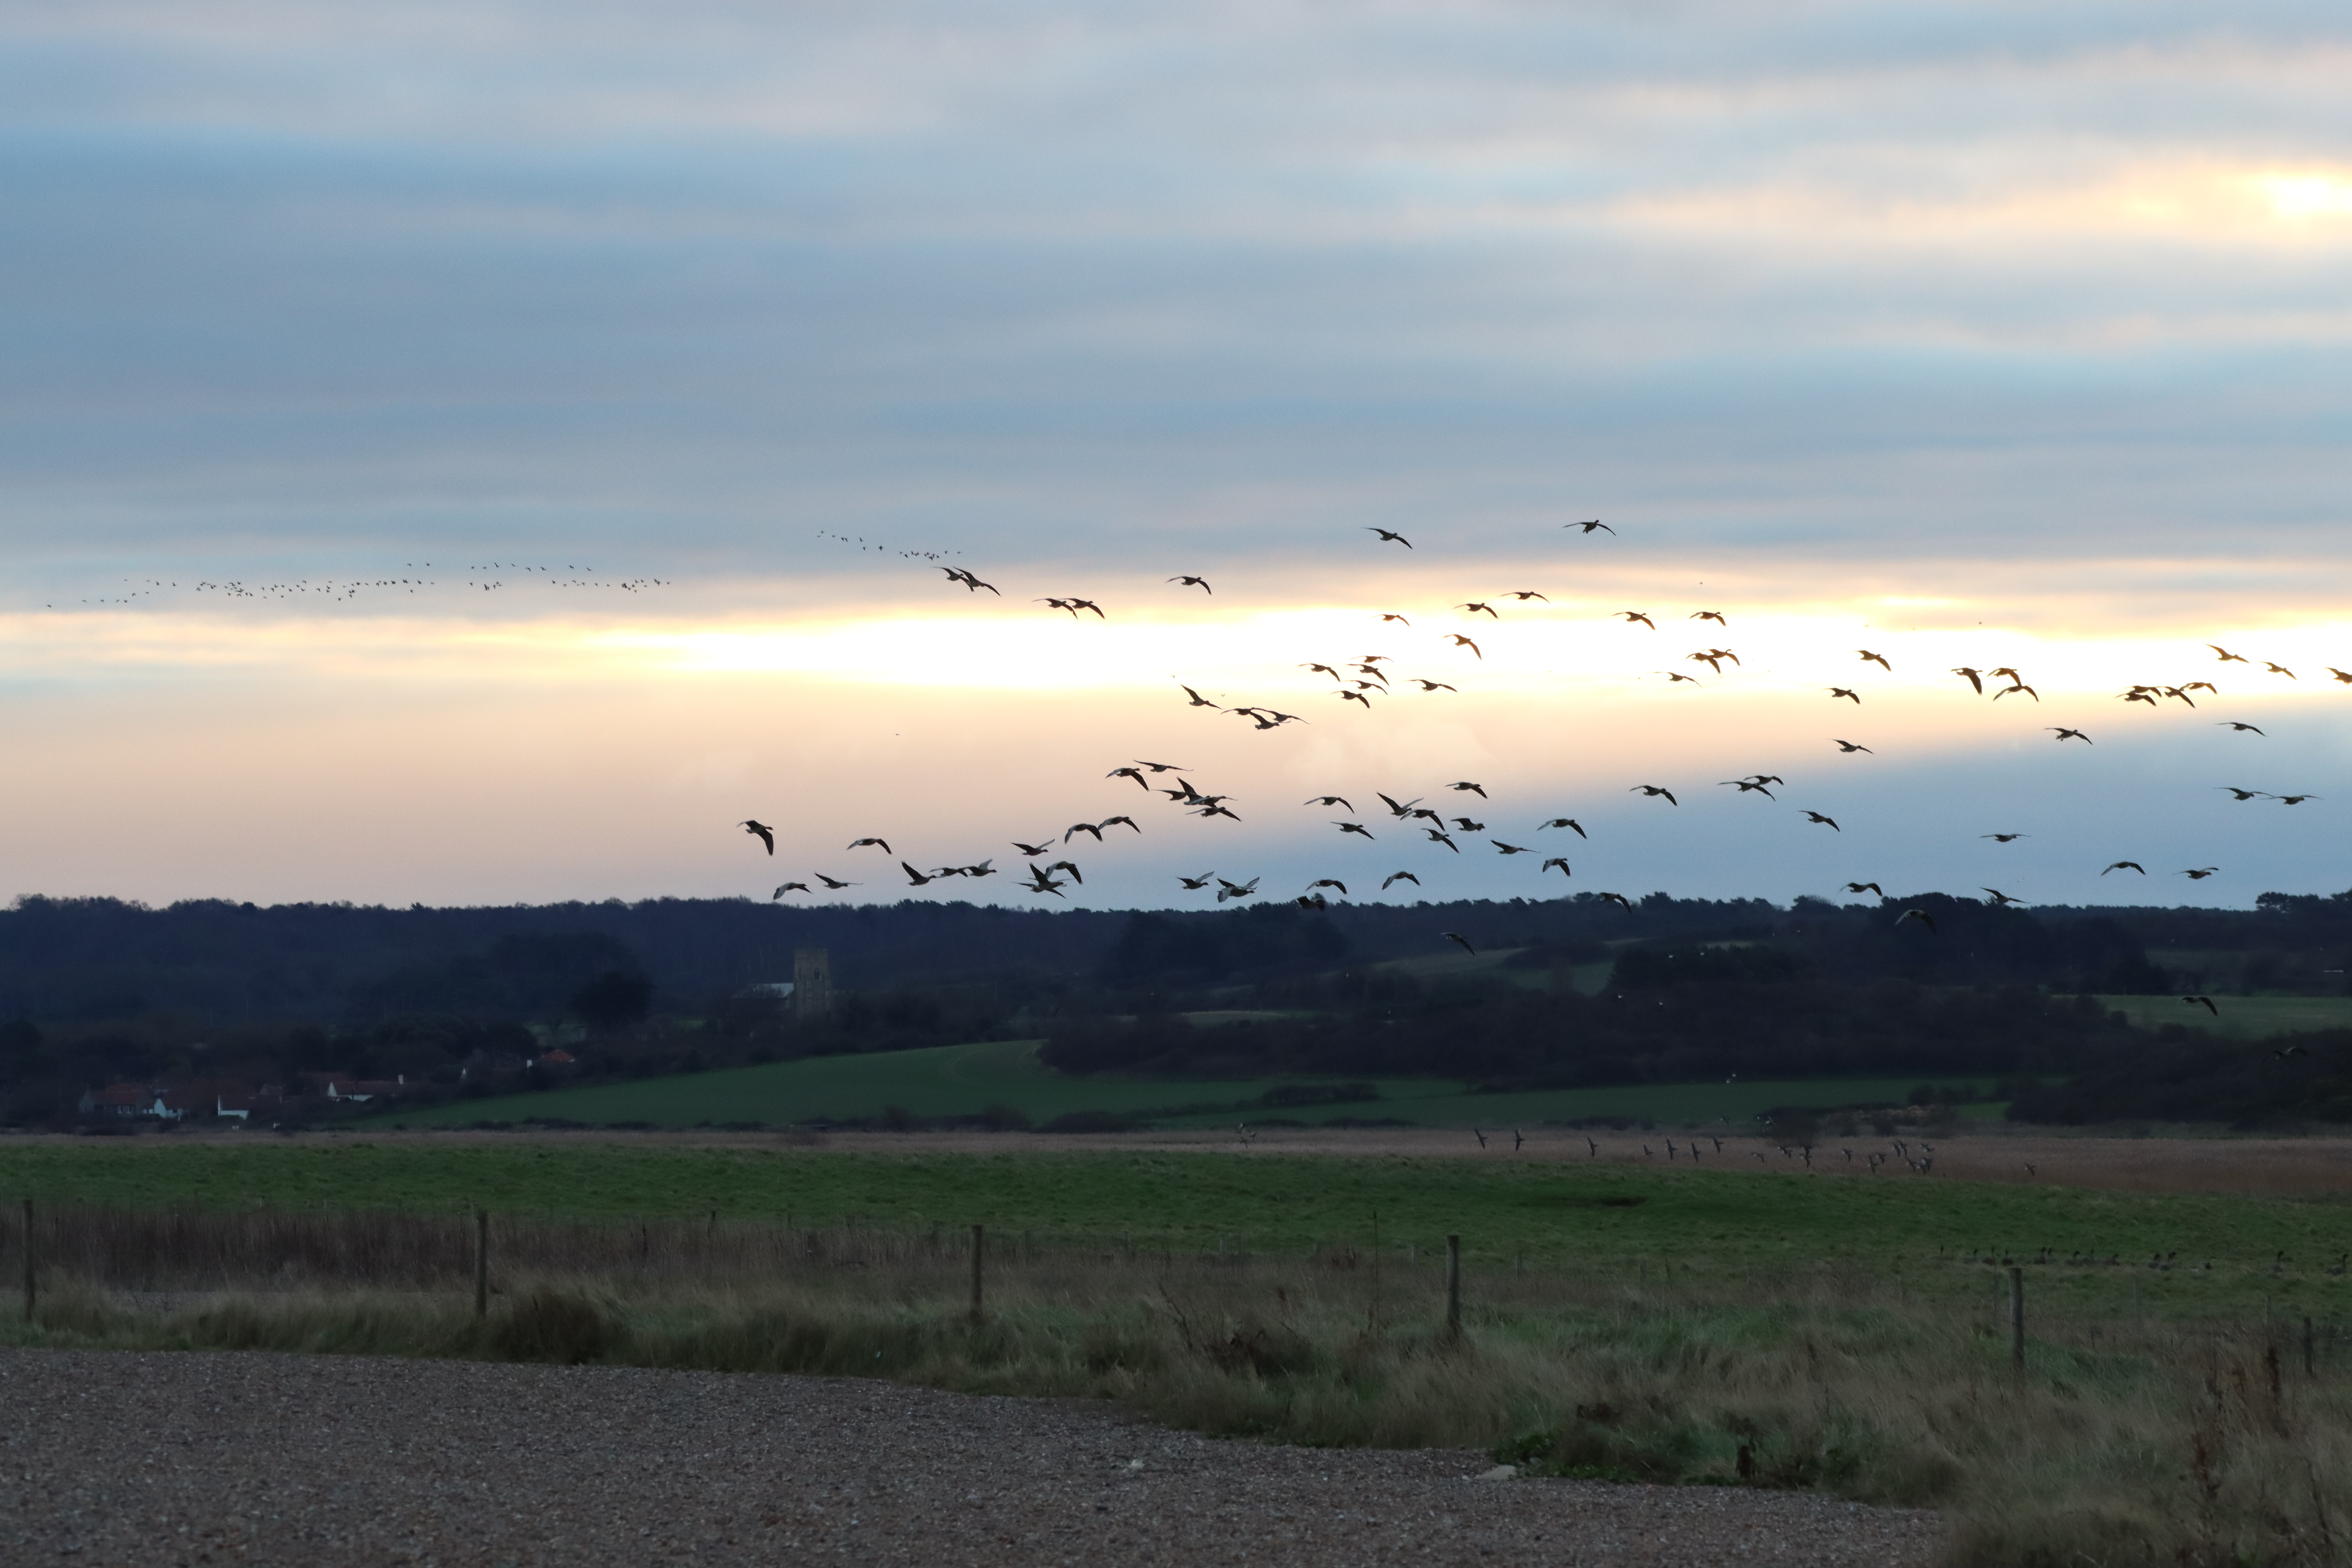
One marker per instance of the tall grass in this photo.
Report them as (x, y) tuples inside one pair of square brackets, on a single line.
[(2123, 1442)]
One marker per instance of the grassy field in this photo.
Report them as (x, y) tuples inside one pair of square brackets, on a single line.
[(2238, 1017), (1599, 1221), (961, 1081)]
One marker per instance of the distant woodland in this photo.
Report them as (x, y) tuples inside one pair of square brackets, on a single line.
[(215, 1003)]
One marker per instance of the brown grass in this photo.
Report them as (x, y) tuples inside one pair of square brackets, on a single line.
[(2121, 1443)]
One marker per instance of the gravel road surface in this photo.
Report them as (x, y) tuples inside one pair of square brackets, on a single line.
[(110, 1458)]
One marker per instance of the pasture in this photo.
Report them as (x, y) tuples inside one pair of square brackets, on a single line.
[(2238, 1017), (965, 1081)]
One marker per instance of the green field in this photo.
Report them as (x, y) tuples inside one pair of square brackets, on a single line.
[(961, 1080), (1604, 1220), (2238, 1017)]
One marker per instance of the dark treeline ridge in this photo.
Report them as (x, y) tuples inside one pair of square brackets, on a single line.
[(437, 1003)]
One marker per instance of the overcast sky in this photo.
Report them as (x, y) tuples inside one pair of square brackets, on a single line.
[(482, 453)]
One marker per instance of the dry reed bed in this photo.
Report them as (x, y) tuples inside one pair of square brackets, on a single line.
[(2123, 1442)]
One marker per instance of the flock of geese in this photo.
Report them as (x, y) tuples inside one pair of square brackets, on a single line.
[(1448, 815), (488, 578)]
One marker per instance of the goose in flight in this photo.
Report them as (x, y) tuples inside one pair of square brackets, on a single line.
[(2227, 657), (1825, 822), (1428, 684), (1466, 825), (834, 883), (1224, 812), (1235, 889), (1438, 837), (1618, 899), (1135, 773), (1164, 767), (2204, 1001), (1355, 697), (2065, 735), (1328, 800), (1327, 882), (1078, 827), (1713, 660), (1715, 616), (1039, 882), (1975, 678), (2001, 900), (1199, 583), (1372, 669), (1922, 916), (1353, 828), (1877, 658), (1848, 748), (916, 878), (1589, 524), (2343, 674), (1459, 640), (1847, 692), (790, 888), (972, 583), (1389, 616), (1508, 848), (2241, 729), (1399, 808), (879, 844), (1072, 868), (1031, 851), (1559, 860), (1653, 791), (2292, 799), (1673, 675), (1463, 941), (1118, 821), (1198, 701), (2245, 793), (1865, 887), (1629, 617), (1396, 876), (2021, 686), (2200, 873), (1744, 785), (1194, 884), (1474, 605), (2280, 670), (1465, 785), (2126, 865), (985, 868), (1389, 538), (1524, 595), (2179, 691), (1323, 669), (2004, 837), (1563, 822), (760, 831)]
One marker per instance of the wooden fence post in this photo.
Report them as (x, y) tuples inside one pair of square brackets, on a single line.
[(28, 1260), (1452, 1287), (2017, 1318), (481, 1263), (978, 1248)]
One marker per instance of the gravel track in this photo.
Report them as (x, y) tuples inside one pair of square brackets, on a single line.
[(117, 1456)]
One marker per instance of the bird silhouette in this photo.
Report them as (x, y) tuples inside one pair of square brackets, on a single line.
[(1198, 701), (2227, 657), (760, 831), (1328, 800), (1865, 887), (1975, 677), (1398, 619), (1715, 616), (2065, 735), (1508, 848), (2204, 1001), (790, 888), (1389, 538), (1673, 675), (1428, 684), (916, 878), (1825, 822), (2013, 690), (1524, 595), (1199, 583), (2244, 793), (2201, 873), (1194, 884), (1847, 748), (1468, 825), (2280, 670), (1072, 868), (1589, 524), (2292, 799), (2241, 729), (1031, 851), (1135, 773), (2004, 837), (1399, 808), (835, 884), (1618, 899), (1163, 767), (1463, 941), (1745, 786), (1629, 617), (2343, 674), (1846, 692), (1922, 916), (1235, 889), (2126, 865), (1877, 658), (1563, 822), (2002, 900), (1465, 786), (1559, 860), (1355, 828), (1438, 837), (1077, 828), (1653, 791), (1354, 696), (1396, 876), (1474, 606), (1327, 882), (1459, 640)]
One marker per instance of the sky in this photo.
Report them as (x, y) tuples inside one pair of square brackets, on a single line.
[(485, 454)]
